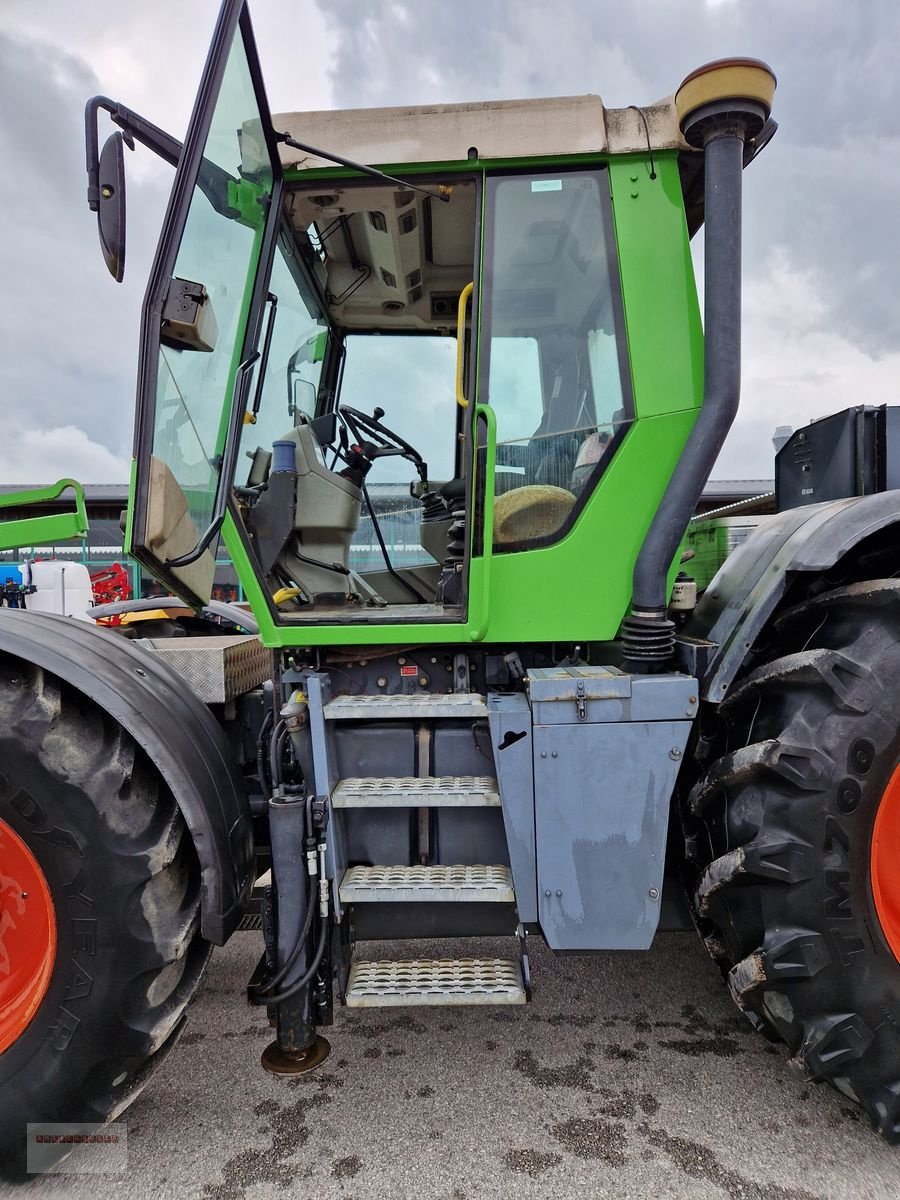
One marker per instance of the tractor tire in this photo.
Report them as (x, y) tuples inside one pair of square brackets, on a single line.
[(100, 943), (793, 844)]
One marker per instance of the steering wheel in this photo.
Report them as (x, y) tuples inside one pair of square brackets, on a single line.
[(376, 440)]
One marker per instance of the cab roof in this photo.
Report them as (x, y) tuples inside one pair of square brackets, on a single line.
[(491, 129)]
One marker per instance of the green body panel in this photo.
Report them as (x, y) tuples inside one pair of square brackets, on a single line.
[(662, 314), (244, 199), (57, 527), (580, 588), (583, 581)]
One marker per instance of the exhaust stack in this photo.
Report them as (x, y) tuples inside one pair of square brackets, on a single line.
[(721, 107)]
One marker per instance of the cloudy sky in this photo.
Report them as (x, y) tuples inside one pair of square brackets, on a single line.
[(822, 302)]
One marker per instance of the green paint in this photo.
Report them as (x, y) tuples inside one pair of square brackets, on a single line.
[(46, 530), (246, 202)]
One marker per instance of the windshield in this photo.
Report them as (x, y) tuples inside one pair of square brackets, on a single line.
[(198, 326), (194, 385)]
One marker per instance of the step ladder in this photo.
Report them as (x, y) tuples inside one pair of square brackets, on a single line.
[(440, 981)]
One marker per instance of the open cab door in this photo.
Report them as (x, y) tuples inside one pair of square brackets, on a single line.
[(201, 316)]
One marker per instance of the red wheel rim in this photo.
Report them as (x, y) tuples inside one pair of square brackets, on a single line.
[(886, 863), (27, 936)]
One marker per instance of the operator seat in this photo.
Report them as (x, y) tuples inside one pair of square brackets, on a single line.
[(531, 512)]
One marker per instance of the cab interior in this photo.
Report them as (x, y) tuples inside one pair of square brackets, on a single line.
[(366, 389)]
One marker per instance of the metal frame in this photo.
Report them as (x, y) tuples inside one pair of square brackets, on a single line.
[(28, 531)]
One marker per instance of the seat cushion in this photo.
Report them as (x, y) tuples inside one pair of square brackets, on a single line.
[(535, 511)]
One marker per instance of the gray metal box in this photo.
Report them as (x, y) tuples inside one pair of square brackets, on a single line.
[(216, 668), (607, 748), (562, 694)]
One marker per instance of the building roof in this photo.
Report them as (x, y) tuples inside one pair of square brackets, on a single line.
[(737, 489), (98, 493)]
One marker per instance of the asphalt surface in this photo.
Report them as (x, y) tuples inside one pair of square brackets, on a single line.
[(630, 1075)]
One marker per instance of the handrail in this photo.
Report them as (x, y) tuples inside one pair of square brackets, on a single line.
[(461, 343), (479, 624), (54, 527)]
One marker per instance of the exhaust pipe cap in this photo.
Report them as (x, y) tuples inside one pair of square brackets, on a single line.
[(735, 92)]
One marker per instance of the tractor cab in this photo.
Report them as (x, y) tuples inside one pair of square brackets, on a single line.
[(371, 367), (386, 357)]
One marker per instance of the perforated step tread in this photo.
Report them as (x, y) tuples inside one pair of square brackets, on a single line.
[(445, 791), (468, 884), (420, 706), (442, 981)]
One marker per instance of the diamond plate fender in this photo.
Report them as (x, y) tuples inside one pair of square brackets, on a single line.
[(176, 731)]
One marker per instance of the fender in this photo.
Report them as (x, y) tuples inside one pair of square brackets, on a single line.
[(176, 731), (753, 580)]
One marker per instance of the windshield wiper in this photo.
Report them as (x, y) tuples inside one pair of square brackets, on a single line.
[(355, 166)]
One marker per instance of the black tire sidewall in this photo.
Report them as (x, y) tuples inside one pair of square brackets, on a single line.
[(51, 1072)]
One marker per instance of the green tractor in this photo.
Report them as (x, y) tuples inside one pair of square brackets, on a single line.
[(450, 415)]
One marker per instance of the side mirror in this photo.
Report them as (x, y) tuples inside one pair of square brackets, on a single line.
[(111, 205)]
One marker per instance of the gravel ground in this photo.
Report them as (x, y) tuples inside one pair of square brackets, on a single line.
[(630, 1075)]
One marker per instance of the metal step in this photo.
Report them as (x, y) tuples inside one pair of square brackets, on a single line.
[(440, 981), (417, 707), (458, 883), (445, 791)]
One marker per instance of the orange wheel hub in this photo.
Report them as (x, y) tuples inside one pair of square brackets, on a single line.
[(886, 862), (27, 936)]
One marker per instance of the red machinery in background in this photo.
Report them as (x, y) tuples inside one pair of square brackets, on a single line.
[(110, 585)]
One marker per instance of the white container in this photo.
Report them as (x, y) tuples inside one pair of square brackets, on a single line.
[(62, 587)]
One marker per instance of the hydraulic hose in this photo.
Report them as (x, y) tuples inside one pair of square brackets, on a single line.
[(265, 782), (276, 745), (299, 984)]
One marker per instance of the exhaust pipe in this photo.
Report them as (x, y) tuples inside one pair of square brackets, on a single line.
[(721, 108)]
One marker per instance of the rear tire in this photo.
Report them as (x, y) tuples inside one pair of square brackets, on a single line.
[(779, 835), (124, 880)]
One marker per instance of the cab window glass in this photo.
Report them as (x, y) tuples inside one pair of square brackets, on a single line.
[(296, 354), (554, 348), (414, 380)]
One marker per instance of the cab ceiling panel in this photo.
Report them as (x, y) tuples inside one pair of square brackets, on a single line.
[(391, 257)]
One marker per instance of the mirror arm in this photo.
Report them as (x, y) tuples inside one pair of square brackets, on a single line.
[(212, 180), (135, 128)]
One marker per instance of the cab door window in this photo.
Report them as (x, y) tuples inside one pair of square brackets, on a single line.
[(554, 354)]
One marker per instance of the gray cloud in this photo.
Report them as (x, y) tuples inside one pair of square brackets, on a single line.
[(70, 340), (826, 189), (821, 255)]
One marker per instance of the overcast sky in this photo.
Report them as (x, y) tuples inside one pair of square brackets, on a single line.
[(822, 303)]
